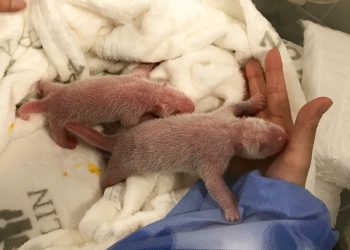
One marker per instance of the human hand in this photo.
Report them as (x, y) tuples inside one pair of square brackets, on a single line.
[(294, 162), (12, 5)]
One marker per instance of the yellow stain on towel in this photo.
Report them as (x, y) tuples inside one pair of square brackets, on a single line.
[(78, 165), (94, 169), (65, 173), (11, 127)]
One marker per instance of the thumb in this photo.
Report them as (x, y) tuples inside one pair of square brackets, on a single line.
[(304, 131), (12, 5), (294, 163)]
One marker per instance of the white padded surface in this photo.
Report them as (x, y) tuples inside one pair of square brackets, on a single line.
[(326, 72)]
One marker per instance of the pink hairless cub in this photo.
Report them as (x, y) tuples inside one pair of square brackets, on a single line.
[(124, 98), (201, 143)]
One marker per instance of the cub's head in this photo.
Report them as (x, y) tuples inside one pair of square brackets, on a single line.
[(258, 139), (172, 101)]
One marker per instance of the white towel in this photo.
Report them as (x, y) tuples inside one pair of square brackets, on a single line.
[(201, 46)]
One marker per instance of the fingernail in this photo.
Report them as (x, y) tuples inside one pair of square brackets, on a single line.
[(324, 107), (18, 5), (275, 50)]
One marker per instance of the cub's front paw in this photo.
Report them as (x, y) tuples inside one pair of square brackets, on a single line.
[(257, 102)]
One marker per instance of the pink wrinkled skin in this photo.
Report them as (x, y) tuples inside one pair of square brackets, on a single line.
[(124, 98), (201, 143)]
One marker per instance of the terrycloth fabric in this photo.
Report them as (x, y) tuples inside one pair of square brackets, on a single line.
[(123, 209), (200, 44), (274, 215)]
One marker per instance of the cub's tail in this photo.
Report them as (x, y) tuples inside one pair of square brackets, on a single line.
[(90, 135)]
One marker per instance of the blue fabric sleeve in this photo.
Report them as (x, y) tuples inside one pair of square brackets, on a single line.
[(275, 214)]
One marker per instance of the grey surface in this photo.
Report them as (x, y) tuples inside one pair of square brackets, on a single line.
[(339, 17), (285, 16), (343, 222)]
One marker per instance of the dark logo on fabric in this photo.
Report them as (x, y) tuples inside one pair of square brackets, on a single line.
[(44, 211), (12, 228), (14, 225)]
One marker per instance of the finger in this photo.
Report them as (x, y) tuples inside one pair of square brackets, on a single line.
[(306, 123), (256, 81), (297, 156), (277, 97), (12, 5), (274, 71), (246, 94), (255, 77)]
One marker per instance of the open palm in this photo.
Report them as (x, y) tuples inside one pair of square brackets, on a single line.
[(293, 163)]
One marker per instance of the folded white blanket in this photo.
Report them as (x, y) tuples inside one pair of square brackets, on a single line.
[(201, 46)]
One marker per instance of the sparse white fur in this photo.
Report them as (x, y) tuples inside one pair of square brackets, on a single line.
[(186, 143)]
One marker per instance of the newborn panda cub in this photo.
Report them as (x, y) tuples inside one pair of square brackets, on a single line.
[(124, 98), (201, 143)]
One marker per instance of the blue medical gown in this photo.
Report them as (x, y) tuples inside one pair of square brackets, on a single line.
[(275, 214)]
